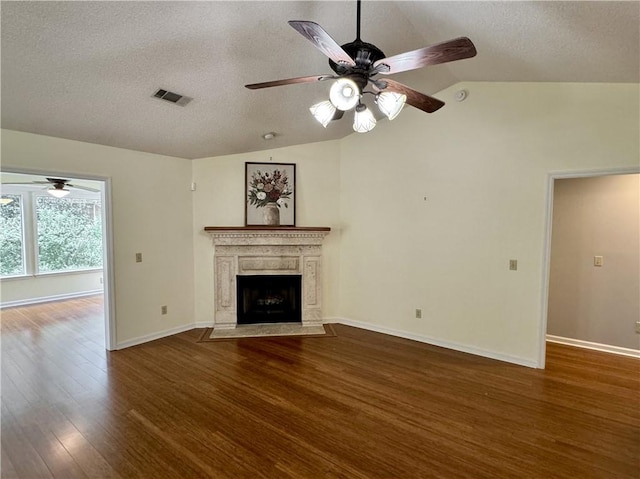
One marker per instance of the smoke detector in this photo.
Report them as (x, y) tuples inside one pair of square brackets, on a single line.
[(461, 95)]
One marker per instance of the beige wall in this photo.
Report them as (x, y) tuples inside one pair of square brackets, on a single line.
[(49, 286), (596, 217), (151, 214), (483, 166), (219, 201)]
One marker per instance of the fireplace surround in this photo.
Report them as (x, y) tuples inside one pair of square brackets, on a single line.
[(266, 251)]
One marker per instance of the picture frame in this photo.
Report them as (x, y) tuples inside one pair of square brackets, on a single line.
[(270, 194)]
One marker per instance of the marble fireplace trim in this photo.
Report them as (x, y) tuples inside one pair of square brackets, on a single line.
[(266, 251)]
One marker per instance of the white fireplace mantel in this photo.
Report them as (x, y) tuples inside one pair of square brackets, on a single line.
[(266, 251)]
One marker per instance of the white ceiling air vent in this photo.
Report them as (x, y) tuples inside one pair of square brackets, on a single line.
[(172, 97)]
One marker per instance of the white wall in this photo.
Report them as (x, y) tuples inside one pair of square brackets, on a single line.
[(219, 201), (483, 167), (29, 289), (596, 217), (151, 215)]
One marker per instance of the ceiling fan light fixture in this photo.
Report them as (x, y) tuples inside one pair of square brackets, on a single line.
[(363, 120), (344, 94), (323, 112), (58, 192), (391, 103)]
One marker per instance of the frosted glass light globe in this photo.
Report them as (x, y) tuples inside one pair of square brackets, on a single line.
[(58, 192), (344, 94), (391, 103), (363, 120), (323, 112)]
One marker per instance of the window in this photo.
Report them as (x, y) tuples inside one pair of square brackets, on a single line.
[(43, 234), (69, 233), (12, 258)]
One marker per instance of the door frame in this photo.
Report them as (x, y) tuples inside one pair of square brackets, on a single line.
[(551, 178), (107, 242)]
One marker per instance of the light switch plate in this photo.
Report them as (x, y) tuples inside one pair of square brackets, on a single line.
[(598, 261)]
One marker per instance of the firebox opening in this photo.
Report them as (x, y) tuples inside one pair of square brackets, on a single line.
[(269, 299)]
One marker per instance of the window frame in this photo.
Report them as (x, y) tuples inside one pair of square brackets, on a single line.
[(30, 247), (25, 264)]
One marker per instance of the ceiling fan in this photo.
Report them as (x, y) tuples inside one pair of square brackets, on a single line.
[(357, 64), (58, 186)]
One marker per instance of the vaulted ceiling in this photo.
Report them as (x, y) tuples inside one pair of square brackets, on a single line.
[(88, 70)]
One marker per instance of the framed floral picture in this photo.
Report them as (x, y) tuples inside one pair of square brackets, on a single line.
[(270, 194)]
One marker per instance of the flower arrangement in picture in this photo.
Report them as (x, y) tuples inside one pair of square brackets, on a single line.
[(267, 188)]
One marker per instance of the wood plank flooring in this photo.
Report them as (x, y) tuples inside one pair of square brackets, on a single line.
[(361, 405)]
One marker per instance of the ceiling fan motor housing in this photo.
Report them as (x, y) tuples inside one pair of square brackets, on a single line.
[(364, 55)]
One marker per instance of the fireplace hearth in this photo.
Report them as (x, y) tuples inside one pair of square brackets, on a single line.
[(269, 299)]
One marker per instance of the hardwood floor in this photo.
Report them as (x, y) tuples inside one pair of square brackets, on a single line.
[(359, 405)]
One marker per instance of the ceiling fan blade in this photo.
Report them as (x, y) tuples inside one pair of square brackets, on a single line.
[(444, 52), (414, 98), (323, 42), (57, 180), (289, 81), (85, 188), (49, 185), (30, 183), (337, 115)]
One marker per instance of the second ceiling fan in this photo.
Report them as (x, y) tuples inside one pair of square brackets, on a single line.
[(357, 64)]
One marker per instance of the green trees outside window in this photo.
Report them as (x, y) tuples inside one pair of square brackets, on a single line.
[(68, 235), (11, 237)]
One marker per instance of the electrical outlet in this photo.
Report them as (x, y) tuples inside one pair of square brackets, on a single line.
[(138, 257), (637, 327), (163, 309), (418, 313), (513, 264)]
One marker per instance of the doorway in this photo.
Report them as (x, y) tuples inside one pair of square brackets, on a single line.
[(591, 278), (61, 247)]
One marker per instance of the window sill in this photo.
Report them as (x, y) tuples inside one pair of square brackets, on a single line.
[(50, 274)]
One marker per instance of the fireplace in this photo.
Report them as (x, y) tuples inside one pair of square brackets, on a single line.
[(269, 299), (287, 253)]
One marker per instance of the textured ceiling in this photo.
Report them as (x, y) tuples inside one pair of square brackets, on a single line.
[(27, 182), (87, 70)]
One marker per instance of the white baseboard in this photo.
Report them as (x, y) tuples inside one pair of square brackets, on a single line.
[(203, 324), (48, 299), (357, 324), (436, 342), (153, 336), (605, 348)]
